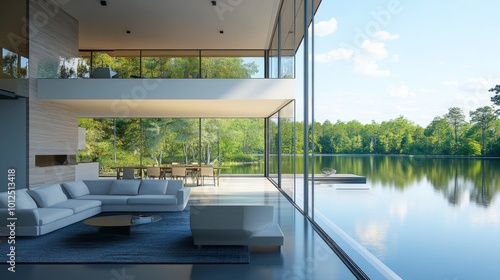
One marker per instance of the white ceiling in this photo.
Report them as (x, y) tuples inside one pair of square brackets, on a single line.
[(174, 24), (179, 108)]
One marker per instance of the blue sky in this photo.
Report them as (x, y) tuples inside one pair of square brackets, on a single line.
[(379, 59)]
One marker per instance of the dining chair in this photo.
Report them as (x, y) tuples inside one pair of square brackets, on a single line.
[(129, 174), (153, 172), (179, 172), (207, 171)]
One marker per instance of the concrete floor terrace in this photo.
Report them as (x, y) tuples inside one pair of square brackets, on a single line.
[(304, 255)]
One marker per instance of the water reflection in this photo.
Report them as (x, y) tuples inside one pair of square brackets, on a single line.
[(439, 214), (456, 179), (479, 178), (373, 236)]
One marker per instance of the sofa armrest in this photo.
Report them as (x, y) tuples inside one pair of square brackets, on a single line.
[(25, 217), (183, 196)]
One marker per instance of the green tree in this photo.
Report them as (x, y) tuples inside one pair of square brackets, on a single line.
[(325, 139), (98, 143), (439, 136), (483, 117), (10, 64), (496, 98), (456, 118)]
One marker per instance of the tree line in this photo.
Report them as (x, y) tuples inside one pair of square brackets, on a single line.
[(449, 134), (156, 141), (159, 141)]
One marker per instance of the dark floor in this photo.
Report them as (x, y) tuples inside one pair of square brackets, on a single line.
[(303, 256)]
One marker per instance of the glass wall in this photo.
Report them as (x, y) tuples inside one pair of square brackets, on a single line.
[(287, 149), (274, 148), (287, 40), (13, 40), (240, 64), (236, 144), (282, 49), (170, 64), (116, 64), (274, 56)]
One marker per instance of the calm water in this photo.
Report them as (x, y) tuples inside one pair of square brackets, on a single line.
[(424, 218)]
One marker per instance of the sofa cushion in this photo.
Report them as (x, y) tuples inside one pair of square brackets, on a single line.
[(153, 187), (125, 187), (152, 200), (22, 199), (174, 186), (98, 186), (76, 189), (107, 199), (49, 215), (77, 205), (48, 195)]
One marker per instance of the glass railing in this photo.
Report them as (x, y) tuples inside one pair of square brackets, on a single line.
[(158, 64)]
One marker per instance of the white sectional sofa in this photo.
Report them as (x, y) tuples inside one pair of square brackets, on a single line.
[(41, 210), (250, 225)]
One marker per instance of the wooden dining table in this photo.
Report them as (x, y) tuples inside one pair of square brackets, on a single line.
[(168, 169)]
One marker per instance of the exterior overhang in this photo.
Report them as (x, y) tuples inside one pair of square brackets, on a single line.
[(249, 98)]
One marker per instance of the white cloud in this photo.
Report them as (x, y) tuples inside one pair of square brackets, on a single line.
[(368, 67), (366, 101), (375, 50), (428, 90), (476, 84), (400, 90), (384, 35), (451, 83), (325, 28), (365, 61), (373, 235), (337, 54)]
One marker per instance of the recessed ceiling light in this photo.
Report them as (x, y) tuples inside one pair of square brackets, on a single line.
[(103, 3)]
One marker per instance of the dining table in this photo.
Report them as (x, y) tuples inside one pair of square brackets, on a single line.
[(165, 169)]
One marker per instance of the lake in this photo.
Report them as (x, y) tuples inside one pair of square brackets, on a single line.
[(425, 218)]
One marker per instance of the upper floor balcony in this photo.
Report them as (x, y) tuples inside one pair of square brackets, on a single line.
[(166, 83)]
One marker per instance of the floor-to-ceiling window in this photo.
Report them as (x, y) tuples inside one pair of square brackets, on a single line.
[(287, 149), (237, 144), (274, 151), (14, 49)]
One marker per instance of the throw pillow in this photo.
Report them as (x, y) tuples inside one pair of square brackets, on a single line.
[(76, 189), (22, 200), (153, 187), (48, 195), (125, 187)]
